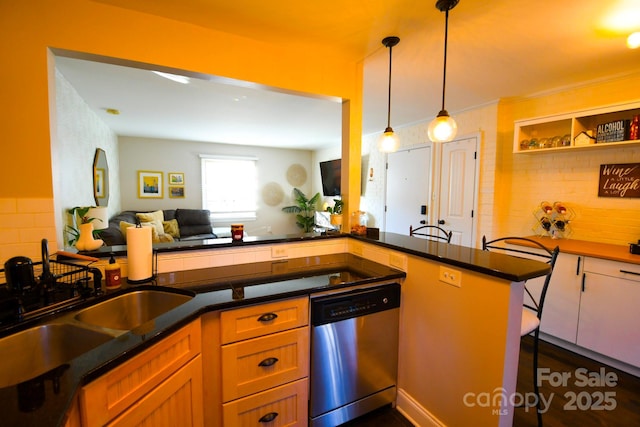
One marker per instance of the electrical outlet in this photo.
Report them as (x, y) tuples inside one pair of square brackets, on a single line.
[(278, 252), (398, 261), (450, 276)]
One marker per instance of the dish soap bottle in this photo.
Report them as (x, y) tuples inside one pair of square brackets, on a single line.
[(112, 274)]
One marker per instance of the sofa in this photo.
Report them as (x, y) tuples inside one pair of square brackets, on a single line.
[(168, 225)]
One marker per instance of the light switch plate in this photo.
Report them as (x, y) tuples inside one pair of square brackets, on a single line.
[(450, 276)]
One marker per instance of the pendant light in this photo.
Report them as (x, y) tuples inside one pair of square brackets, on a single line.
[(389, 141), (443, 128)]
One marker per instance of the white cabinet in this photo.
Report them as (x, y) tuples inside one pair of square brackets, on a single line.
[(562, 304), (609, 316), (548, 131)]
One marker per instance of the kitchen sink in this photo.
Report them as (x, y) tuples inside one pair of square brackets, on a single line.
[(37, 350), (131, 310)]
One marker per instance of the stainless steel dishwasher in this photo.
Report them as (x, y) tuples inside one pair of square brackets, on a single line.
[(354, 353)]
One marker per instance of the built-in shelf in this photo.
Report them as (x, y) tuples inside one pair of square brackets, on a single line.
[(558, 132)]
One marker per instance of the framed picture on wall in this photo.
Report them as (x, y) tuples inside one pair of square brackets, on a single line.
[(150, 185), (176, 192), (99, 183), (176, 178)]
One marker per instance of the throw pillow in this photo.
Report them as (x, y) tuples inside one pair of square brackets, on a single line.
[(154, 234), (171, 228), (156, 218)]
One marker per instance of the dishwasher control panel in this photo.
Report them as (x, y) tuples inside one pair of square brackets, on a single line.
[(341, 306)]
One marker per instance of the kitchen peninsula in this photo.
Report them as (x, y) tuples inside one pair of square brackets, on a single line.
[(455, 338)]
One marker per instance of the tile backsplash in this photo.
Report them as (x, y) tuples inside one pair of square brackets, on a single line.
[(23, 225)]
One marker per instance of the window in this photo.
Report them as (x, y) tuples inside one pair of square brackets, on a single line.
[(229, 187)]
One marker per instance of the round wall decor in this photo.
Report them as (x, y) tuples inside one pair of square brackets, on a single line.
[(272, 194), (296, 175)]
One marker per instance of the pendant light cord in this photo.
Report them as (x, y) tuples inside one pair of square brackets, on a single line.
[(444, 74), (389, 96)]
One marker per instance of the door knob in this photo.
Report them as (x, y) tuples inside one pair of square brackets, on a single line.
[(441, 221)]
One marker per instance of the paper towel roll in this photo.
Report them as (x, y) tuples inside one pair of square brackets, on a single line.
[(139, 254)]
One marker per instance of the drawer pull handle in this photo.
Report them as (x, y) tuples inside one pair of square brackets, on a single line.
[(630, 272), (269, 361), (267, 317), (269, 417)]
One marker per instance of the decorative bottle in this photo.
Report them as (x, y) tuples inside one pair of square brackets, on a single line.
[(112, 274)]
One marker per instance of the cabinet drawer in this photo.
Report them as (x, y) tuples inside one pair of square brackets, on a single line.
[(112, 393), (262, 319), (622, 270), (287, 403), (258, 364)]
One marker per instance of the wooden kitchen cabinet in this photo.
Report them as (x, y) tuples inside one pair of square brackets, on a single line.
[(257, 320), (265, 364), (609, 315), (285, 405), (260, 363), (163, 382), (175, 402)]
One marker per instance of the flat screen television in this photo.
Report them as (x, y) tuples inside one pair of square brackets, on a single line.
[(330, 175)]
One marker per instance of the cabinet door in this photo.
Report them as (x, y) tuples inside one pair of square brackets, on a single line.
[(609, 317), (562, 304), (175, 402), (108, 396)]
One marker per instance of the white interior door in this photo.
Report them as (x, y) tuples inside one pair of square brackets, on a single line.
[(458, 189), (408, 180)]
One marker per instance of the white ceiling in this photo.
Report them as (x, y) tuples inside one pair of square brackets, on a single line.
[(497, 49)]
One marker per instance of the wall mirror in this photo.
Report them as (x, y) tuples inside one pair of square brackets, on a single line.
[(100, 178)]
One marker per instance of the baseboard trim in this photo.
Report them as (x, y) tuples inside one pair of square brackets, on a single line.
[(414, 412), (630, 369)]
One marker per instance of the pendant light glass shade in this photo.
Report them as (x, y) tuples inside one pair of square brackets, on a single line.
[(389, 141), (443, 128)]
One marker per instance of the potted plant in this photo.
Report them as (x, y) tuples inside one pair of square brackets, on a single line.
[(304, 208), (83, 237), (336, 212)]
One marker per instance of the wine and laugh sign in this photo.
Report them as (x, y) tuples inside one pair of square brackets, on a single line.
[(619, 180)]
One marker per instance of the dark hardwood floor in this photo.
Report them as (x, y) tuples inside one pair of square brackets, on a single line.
[(620, 407), (596, 402)]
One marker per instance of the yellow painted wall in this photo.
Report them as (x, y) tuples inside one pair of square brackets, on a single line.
[(525, 180), (29, 29), (456, 342)]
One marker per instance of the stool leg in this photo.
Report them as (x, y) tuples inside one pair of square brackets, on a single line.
[(536, 389)]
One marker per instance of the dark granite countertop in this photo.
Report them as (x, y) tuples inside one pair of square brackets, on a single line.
[(485, 262), (45, 400), (225, 287)]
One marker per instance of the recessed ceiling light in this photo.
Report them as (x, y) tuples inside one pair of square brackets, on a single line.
[(633, 41), (113, 111), (176, 78)]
